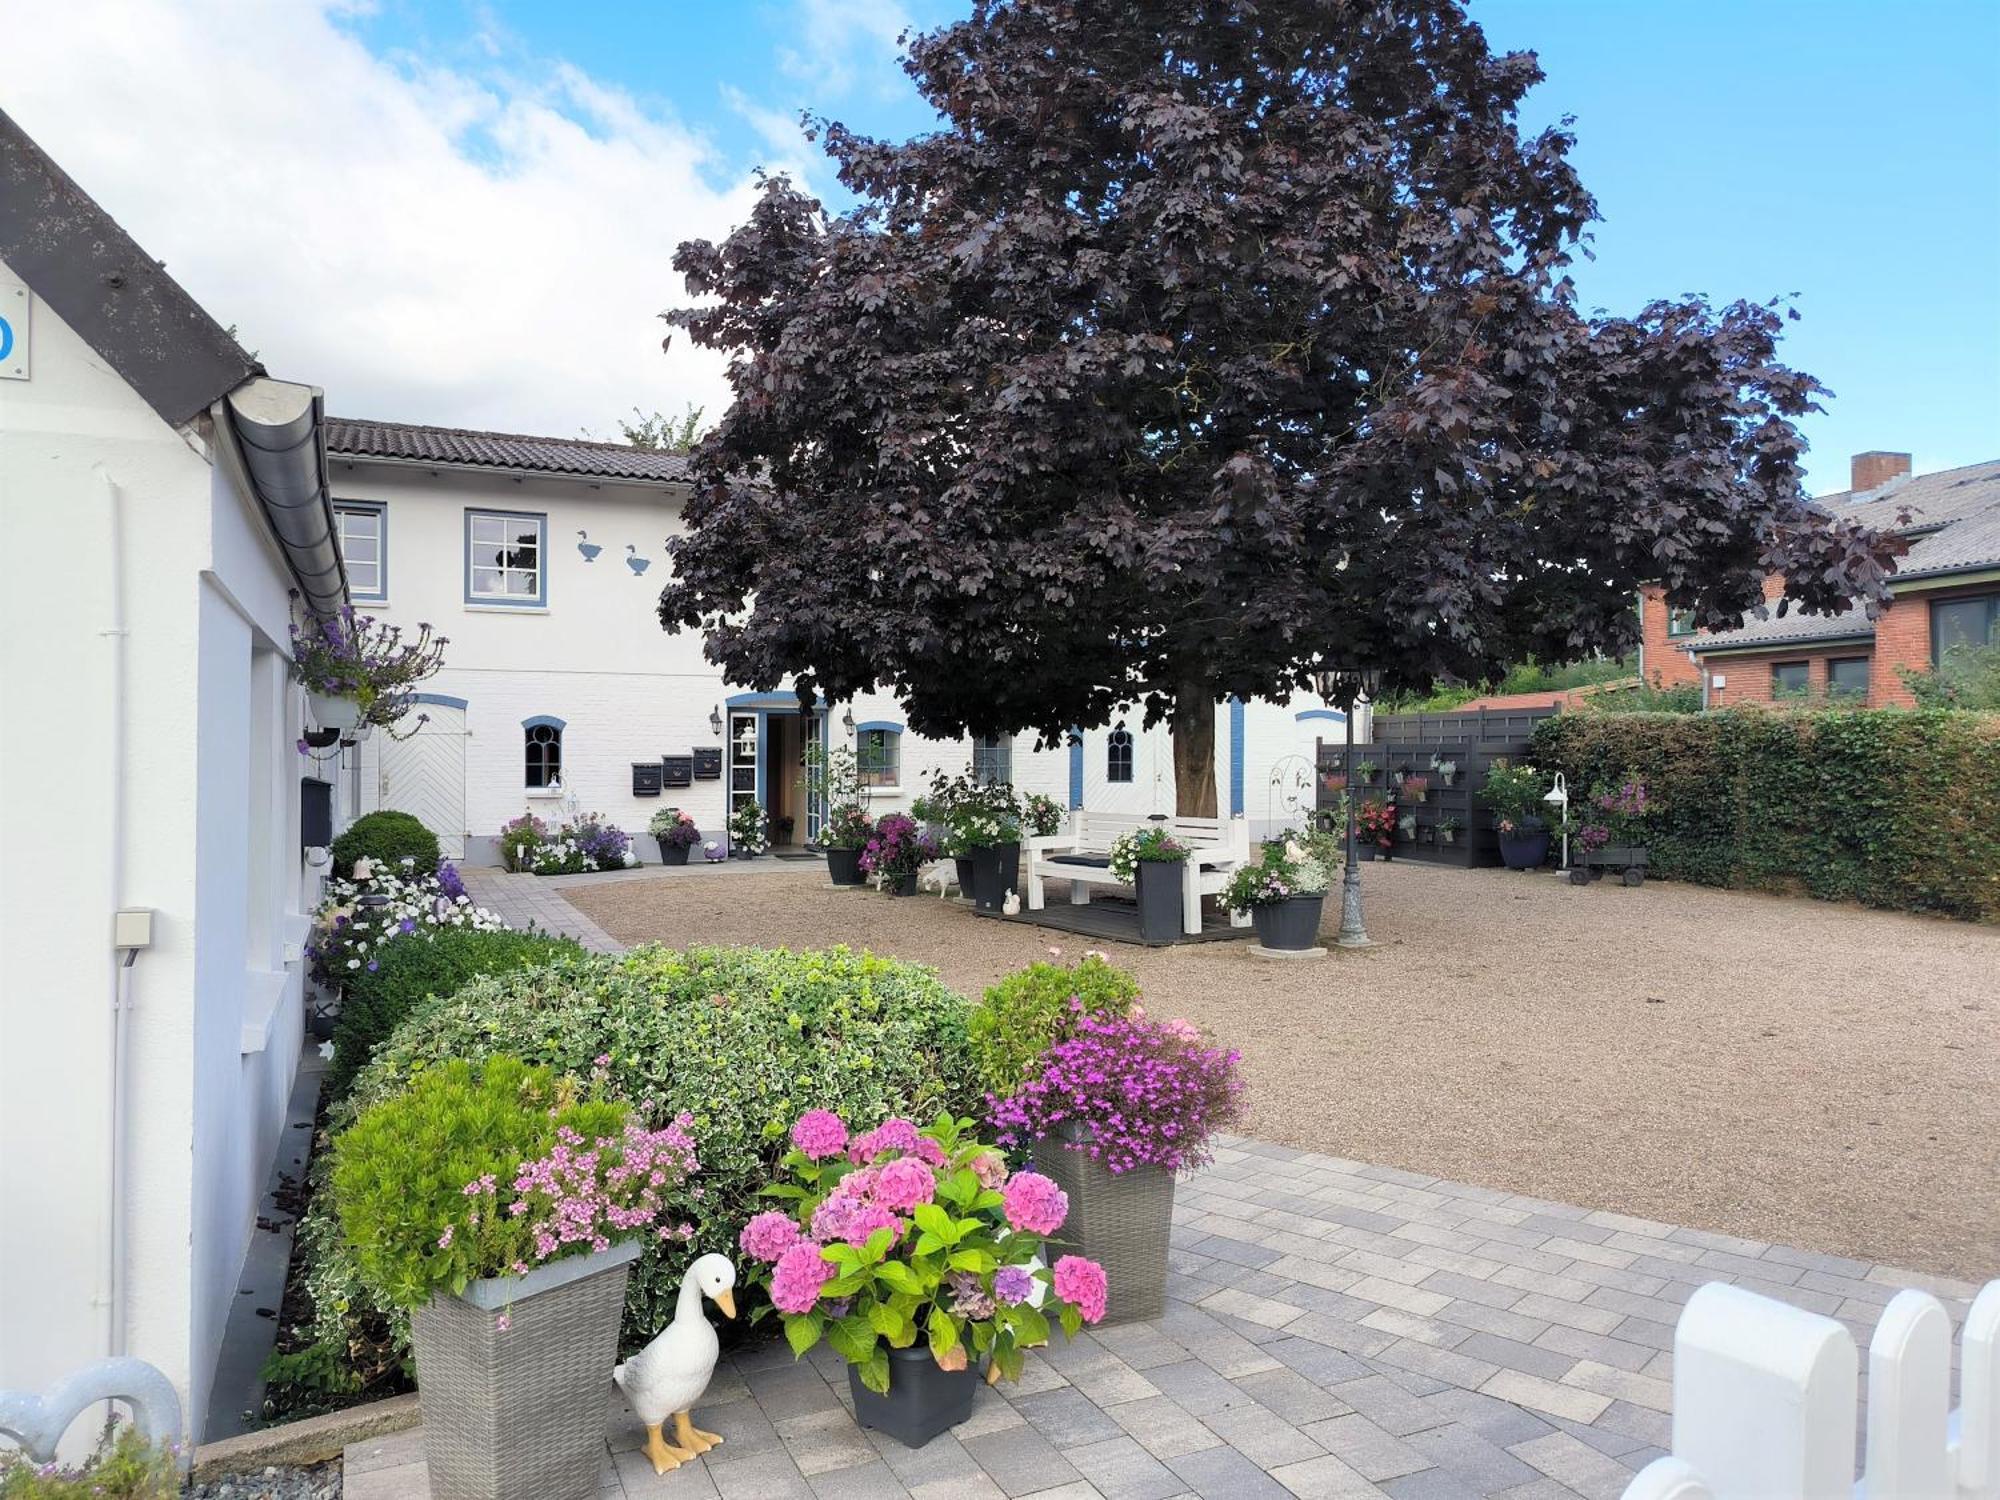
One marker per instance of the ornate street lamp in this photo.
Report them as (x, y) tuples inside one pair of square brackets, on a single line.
[(1343, 685)]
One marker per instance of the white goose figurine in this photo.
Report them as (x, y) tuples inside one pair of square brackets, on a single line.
[(668, 1376)]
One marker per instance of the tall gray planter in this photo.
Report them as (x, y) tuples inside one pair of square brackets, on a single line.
[(519, 1414), (1120, 1220), (1160, 885)]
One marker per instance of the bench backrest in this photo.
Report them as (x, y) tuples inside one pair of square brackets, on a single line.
[(1095, 831)]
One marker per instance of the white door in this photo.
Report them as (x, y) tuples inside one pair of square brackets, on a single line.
[(425, 774)]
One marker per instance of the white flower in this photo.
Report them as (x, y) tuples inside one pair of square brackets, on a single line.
[(354, 963)]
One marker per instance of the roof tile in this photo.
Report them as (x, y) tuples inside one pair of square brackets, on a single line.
[(460, 447)]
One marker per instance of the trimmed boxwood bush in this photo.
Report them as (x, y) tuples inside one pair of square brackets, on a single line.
[(388, 837), (744, 1039), (1029, 1011), (1880, 806), (411, 970)]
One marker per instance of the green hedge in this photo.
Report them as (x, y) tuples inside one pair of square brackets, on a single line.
[(1879, 806), (387, 837), (412, 969)]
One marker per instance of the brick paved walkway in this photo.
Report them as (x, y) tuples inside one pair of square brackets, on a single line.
[(535, 901), (1333, 1329)]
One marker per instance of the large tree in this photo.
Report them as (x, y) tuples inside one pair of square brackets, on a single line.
[(1201, 343)]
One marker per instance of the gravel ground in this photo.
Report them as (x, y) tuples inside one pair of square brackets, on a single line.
[(1808, 1074), (278, 1482)]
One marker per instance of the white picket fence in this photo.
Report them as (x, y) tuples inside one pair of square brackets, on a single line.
[(1765, 1404)]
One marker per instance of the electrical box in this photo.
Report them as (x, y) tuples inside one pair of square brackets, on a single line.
[(132, 928), (1716, 679)]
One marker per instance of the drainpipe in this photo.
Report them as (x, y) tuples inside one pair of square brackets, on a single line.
[(121, 994)]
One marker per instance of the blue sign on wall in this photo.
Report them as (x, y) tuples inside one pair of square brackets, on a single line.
[(15, 304)]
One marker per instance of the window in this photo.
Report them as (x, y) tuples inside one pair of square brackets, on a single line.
[(879, 753), (503, 558), (742, 760), (1118, 755), (361, 529), (1788, 679), (1680, 622), (1847, 677), (544, 746), (993, 759), (1964, 622)]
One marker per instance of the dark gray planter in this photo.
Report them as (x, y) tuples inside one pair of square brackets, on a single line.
[(901, 885), (1159, 885), (963, 869), (1291, 924), (996, 874), (673, 854), (518, 1414), (1527, 847), (1120, 1220), (923, 1400), (843, 866)]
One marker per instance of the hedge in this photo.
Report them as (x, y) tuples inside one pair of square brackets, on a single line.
[(388, 838), (1885, 807)]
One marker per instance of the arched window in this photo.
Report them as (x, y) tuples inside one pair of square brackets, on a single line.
[(1118, 754), (544, 751)]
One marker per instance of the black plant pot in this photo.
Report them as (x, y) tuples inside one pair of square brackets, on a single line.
[(1365, 850), (843, 866), (1527, 846), (1292, 924), (673, 854), (923, 1400), (902, 885), (1159, 884), (996, 874), (963, 865)]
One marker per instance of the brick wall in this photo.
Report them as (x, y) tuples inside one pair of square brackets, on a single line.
[(1902, 639), (1667, 665), (1747, 678)]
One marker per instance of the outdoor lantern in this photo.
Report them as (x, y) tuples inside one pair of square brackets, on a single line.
[(715, 721), (1343, 685), (847, 720), (1558, 797)]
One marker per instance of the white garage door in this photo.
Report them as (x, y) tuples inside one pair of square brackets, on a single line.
[(425, 774)]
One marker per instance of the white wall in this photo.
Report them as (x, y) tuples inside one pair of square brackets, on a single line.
[(200, 585)]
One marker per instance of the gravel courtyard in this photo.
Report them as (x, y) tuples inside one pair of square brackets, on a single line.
[(1785, 1070)]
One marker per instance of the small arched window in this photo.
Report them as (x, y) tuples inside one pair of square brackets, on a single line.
[(1118, 755), (544, 750)]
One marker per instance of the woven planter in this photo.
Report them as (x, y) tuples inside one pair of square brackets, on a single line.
[(519, 1414), (1120, 1220)]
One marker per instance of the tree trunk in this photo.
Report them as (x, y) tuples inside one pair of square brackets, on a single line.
[(1193, 727)]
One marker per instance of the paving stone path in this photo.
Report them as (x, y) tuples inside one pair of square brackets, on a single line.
[(1334, 1329)]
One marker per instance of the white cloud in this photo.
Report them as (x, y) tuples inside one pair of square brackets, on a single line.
[(427, 244), (840, 39)]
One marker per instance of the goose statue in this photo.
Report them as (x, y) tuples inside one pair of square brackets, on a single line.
[(634, 561), (668, 1376), (587, 547)]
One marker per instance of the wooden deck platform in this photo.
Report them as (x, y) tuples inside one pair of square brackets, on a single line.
[(1117, 921)]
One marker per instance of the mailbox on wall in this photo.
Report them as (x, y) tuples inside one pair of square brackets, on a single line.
[(678, 770), (708, 762), (315, 813), (645, 779)]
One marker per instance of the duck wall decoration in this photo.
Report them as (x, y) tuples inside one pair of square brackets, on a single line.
[(587, 547), (669, 1375), (634, 561)]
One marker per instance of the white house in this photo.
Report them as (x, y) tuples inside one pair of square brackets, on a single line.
[(541, 559), (163, 498)]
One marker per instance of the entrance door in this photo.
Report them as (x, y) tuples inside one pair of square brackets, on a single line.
[(424, 774)]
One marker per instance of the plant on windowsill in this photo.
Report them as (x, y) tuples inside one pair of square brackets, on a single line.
[(359, 672), (749, 832)]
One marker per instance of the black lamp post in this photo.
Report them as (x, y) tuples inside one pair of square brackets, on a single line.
[(1344, 685)]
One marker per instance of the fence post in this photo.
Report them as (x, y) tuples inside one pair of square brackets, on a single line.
[(1909, 1400), (1975, 1427)]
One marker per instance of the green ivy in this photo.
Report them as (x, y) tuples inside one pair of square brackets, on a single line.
[(1884, 807)]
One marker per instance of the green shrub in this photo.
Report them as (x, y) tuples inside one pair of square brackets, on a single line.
[(744, 1039), (1029, 1011), (125, 1467), (1888, 808), (388, 838), (429, 962)]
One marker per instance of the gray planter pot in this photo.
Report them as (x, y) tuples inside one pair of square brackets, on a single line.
[(1120, 1220), (923, 1400), (1527, 847), (962, 871), (1159, 885), (519, 1414), (843, 866), (672, 854), (902, 885), (1292, 924), (996, 874)]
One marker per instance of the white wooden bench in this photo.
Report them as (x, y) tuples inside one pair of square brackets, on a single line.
[(1081, 856)]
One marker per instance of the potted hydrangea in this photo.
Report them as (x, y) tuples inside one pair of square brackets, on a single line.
[(505, 1212), (676, 832), (1113, 1112), (896, 850), (917, 1256), (1284, 890), (749, 833), (1153, 862), (843, 835)]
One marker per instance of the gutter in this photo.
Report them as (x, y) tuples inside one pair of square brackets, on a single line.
[(273, 436), (1781, 647)]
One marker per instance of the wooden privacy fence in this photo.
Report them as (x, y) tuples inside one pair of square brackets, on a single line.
[(1764, 1404)]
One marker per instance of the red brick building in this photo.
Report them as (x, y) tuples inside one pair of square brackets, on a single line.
[(1946, 591)]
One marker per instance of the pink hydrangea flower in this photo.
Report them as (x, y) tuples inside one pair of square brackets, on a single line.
[(820, 1134), (930, 1152), (1082, 1282), (1034, 1203), (990, 1167), (904, 1183), (769, 1236), (893, 1134), (797, 1278)]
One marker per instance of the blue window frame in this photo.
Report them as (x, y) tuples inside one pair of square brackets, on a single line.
[(878, 751), (1118, 754), (506, 559), (362, 529)]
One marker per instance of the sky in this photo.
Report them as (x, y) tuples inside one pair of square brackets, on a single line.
[(465, 213)]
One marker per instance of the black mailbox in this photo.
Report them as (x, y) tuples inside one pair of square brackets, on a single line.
[(708, 762), (677, 770), (645, 779), (315, 813)]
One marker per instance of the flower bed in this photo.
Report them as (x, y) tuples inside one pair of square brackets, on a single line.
[(360, 915), (585, 843)]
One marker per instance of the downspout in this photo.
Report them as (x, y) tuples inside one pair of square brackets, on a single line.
[(121, 992)]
